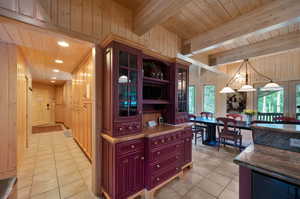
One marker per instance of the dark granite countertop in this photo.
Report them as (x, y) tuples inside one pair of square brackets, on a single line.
[(274, 162), (6, 186), (286, 128)]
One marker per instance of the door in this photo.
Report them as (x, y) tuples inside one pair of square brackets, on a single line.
[(128, 83), (130, 175)]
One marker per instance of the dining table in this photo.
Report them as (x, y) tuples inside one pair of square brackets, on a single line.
[(211, 126)]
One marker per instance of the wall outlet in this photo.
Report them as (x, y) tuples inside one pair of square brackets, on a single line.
[(294, 142)]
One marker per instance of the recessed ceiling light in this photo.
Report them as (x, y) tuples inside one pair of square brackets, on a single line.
[(63, 44), (52, 81), (58, 61), (53, 77), (55, 70)]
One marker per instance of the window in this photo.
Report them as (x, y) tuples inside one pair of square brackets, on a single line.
[(270, 101), (298, 101), (209, 98), (192, 97)]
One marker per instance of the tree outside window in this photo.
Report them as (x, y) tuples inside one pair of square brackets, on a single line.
[(270, 101), (209, 96), (192, 98)]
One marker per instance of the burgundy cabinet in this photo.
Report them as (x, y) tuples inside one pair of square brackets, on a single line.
[(123, 168), (180, 80), (123, 90), (164, 157), (187, 146)]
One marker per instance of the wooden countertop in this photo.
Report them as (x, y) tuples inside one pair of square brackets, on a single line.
[(149, 132), (274, 162)]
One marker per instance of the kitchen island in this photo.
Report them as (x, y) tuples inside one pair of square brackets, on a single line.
[(270, 168)]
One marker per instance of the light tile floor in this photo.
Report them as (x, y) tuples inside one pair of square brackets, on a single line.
[(55, 168)]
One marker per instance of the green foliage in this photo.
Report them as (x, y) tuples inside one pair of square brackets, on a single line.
[(270, 101), (192, 97), (209, 98)]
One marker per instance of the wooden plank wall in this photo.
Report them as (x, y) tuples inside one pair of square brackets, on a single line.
[(94, 19), (59, 104), (23, 108), (76, 104), (43, 94), (8, 80), (281, 67)]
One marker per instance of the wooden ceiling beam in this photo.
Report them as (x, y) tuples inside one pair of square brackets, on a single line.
[(266, 47), (154, 12), (269, 17)]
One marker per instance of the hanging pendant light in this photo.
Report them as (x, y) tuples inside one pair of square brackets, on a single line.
[(271, 86), (227, 89), (247, 87)]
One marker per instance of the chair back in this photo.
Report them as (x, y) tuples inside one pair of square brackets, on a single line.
[(235, 116), (207, 115), (192, 117), (226, 122)]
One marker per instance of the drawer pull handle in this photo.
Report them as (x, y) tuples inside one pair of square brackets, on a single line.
[(177, 168), (158, 153), (130, 128), (142, 158), (163, 141), (157, 179), (158, 166), (120, 129), (156, 143), (132, 146), (187, 139)]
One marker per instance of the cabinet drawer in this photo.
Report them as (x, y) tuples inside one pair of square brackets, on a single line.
[(166, 151), (128, 147), (126, 128), (163, 140), (163, 176), (172, 161)]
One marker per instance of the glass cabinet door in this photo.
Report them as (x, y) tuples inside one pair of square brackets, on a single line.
[(181, 90), (128, 84)]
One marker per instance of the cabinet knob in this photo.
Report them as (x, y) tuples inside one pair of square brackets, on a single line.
[(130, 128), (158, 153), (177, 168), (177, 157), (120, 129), (188, 139), (156, 143), (158, 166), (157, 179), (163, 141), (132, 146), (142, 158)]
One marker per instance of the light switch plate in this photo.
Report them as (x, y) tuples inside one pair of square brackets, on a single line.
[(294, 142)]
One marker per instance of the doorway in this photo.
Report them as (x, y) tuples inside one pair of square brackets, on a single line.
[(55, 88)]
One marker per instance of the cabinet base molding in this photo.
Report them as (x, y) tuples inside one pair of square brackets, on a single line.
[(83, 150), (149, 194), (140, 193), (187, 166)]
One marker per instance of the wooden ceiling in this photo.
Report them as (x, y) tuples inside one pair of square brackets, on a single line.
[(40, 49), (210, 28)]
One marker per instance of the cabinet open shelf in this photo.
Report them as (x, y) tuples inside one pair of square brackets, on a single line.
[(155, 80), (155, 101)]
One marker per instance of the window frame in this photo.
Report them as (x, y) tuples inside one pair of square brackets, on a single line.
[(285, 85), (195, 107), (203, 96)]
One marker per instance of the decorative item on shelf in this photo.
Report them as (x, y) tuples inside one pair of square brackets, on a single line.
[(249, 115), (160, 120), (152, 123), (271, 86)]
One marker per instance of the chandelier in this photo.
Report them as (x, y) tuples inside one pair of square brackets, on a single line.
[(270, 86)]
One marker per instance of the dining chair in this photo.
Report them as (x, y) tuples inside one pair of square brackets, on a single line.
[(207, 114), (227, 131), (235, 116), (198, 130)]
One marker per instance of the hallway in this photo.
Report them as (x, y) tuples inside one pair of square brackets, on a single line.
[(54, 167)]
